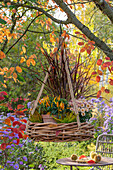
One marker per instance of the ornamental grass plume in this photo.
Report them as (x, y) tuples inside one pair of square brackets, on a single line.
[(57, 82)]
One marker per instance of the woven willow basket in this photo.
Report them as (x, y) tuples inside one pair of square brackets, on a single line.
[(61, 132)]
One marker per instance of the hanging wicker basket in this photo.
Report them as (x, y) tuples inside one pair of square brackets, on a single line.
[(60, 132)]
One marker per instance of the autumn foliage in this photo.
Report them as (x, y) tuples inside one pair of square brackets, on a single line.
[(14, 126)]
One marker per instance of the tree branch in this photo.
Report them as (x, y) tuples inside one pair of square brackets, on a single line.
[(39, 9), (85, 30), (21, 35), (105, 8)]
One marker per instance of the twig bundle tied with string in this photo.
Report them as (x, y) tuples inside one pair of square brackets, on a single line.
[(74, 131)]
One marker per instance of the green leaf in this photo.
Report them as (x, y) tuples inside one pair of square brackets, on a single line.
[(1, 79), (31, 165), (20, 78), (2, 21)]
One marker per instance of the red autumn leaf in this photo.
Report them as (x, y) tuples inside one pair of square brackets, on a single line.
[(91, 162), (20, 113), (89, 51), (100, 72), (3, 146), (99, 62), (111, 68), (82, 49), (12, 134), (77, 32), (3, 93), (98, 93), (16, 123), (107, 91), (15, 130), (25, 136), (19, 106), (106, 64), (2, 98), (11, 118), (103, 68), (94, 72), (111, 82), (82, 156), (81, 43), (7, 122), (22, 127), (102, 89), (20, 135), (23, 120), (57, 132), (98, 78), (107, 58), (24, 110)]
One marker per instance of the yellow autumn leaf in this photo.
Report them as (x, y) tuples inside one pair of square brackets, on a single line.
[(11, 70), (37, 21), (9, 35), (4, 85), (42, 23), (1, 73), (2, 55), (22, 60), (15, 75), (21, 52), (18, 69), (24, 49), (32, 56), (5, 69), (28, 62), (33, 62)]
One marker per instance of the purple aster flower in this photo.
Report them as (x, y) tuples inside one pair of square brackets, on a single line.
[(8, 147), (42, 168), (12, 145), (29, 140), (24, 158), (8, 162), (16, 135), (0, 151), (40, 165), (14, 141), (10, 137), (28, 105), (11, 164), (20, 162), (8, 114), (36, 149), (16, 166), (30, 153), (20, 145)]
